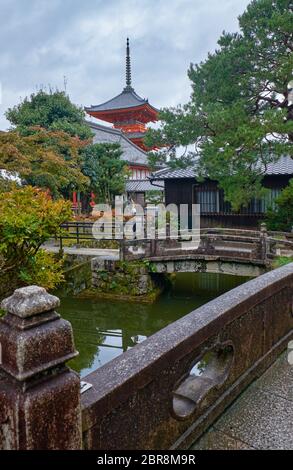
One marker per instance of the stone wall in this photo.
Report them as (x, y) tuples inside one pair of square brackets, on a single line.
[(125, 280), (78, 274), (212, 265)]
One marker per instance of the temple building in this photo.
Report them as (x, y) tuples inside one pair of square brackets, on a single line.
[(129, 114), (182, 186)]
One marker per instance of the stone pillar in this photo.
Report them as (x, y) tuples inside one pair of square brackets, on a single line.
[(263, 241), (39, 395)]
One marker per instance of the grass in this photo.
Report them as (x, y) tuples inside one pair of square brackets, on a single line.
[(282, 261)]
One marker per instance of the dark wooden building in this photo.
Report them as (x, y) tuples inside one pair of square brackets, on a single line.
[(182, 187)]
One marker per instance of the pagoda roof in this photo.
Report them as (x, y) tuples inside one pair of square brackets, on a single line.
[(127, 99)]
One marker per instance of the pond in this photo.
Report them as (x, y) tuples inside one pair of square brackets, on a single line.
[(104, 329)]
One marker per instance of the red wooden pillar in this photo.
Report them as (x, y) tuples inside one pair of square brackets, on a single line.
[(74, 199)]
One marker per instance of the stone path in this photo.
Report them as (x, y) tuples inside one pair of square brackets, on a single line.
[(261, 418), (94, 252)]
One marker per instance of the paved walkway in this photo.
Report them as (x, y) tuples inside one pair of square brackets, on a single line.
[(94, 252), (261, 418)]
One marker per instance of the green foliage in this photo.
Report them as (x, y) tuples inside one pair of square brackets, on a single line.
[(43, 270), (45, 146), (104, 275), (281, 218), (107, 172), (282, 261), (239, 118), (28, 218), (51, 110), (151, 267), (49, 148), (44, 159), (6, 184)]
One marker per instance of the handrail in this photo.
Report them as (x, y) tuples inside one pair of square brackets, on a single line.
[(256, 246), (151, 393)]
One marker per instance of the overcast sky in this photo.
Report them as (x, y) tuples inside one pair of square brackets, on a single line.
[(44, 40)]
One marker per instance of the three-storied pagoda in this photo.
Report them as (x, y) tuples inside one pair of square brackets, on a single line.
[(127, 111)]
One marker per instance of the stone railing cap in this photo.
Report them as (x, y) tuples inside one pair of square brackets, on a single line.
[(30, 301)]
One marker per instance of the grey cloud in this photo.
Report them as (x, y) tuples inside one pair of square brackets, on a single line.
[(41, 41)]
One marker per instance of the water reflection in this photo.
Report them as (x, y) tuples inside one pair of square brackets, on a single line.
[(103, 329)]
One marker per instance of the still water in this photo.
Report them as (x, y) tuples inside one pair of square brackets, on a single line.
[(104, 329)]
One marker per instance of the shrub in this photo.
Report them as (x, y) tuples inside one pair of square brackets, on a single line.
[(28, 218), (281, 218)]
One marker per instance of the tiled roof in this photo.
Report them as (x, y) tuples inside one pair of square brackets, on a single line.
[(133, 135), (168, 173), (284, 166), (131, 152), (127, 99), (142, 186)]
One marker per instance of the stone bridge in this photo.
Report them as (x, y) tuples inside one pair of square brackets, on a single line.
[(162, 394), (229, 251)]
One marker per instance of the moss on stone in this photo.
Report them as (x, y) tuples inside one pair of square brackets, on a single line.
[(125, 280), (77, 278), (120, 296)]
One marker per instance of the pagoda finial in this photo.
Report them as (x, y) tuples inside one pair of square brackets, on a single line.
[(128, 67)]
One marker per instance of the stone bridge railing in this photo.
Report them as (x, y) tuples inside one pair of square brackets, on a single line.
[(259, 247), (152, 396)]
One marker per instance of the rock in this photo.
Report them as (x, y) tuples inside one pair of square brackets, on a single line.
[(30, 301)]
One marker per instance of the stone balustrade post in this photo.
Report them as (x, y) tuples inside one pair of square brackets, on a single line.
[(207, 244), (263, 241), (39, 395)]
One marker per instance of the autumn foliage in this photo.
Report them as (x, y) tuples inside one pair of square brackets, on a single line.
[(48, 159)]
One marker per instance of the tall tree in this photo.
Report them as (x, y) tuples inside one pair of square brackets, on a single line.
[(45, 144), (51, 110), (107, 172), (240, 117)]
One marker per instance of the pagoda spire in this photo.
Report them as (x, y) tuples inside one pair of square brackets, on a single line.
[(127, 111), (128, 67)]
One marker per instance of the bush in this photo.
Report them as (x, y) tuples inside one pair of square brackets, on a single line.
[(43, 270), (28, 218), (281, 218)]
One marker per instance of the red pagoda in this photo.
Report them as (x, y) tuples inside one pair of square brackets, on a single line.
[(127, 111)]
